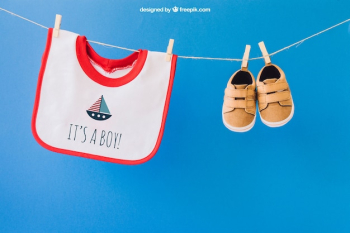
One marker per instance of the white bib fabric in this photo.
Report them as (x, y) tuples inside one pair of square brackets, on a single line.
[(110, 110)]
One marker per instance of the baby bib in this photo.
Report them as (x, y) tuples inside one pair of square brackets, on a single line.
[(98, 108)]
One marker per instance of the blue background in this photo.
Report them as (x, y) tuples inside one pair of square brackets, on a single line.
[(204, 177)]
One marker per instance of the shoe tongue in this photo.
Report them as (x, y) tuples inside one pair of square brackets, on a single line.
[(242, 86), (270, 80)]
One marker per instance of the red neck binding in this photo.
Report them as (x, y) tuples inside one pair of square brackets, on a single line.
[(85, 52)]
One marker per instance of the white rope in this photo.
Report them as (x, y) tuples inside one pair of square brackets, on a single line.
[(271, 54), (112, 46), (23, 18), (199, 58), (301, 41)]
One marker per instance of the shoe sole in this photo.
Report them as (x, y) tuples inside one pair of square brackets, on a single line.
[(279, 123), (239, 129)]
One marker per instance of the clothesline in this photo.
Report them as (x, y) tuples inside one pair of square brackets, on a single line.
[(192, 57)]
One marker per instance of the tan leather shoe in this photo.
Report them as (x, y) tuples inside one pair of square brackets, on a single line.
[(276, 105), (239, 108)]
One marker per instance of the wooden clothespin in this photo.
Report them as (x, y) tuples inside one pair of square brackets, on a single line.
[(265, 53), (245, 59), (169, 50), (56, 29)]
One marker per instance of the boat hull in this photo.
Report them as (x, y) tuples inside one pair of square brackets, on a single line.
[(99, 116)]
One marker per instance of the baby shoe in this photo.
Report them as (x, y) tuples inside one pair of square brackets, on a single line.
[(276, 105), (239, 108)]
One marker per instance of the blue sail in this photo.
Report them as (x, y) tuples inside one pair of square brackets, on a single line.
[(103, 107)]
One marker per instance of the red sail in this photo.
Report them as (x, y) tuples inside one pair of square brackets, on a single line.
[(96, 106)]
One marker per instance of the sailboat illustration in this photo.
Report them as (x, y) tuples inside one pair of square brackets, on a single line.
[(99, 110)]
